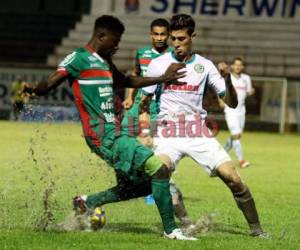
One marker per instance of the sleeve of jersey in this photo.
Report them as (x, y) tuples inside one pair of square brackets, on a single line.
[(152, 71), (69, 65), (136, 60), (249, 84), (216, 81)]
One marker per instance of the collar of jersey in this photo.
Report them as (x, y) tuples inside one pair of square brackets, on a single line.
[(94, 53), (187, 62)]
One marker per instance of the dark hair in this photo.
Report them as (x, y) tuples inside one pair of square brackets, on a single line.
[(110, 23), (161, 22), (183, 21), (237, 59)]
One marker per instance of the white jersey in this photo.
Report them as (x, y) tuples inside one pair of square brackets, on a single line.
[(242, 87), (186, 99)]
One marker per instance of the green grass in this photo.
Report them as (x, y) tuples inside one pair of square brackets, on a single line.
[(54, 157)]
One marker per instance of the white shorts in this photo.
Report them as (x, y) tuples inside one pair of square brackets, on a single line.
[(235, 122), (204, 150)]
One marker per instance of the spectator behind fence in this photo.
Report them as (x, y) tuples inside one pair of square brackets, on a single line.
[(17, 98)]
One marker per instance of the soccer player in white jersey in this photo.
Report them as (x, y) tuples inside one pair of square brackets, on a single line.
[(235, 118), (181, 107)]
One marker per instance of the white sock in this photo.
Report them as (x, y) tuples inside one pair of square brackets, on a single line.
[(228, 144), (238, 149)]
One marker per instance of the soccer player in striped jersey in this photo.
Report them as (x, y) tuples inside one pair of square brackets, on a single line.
[(159, 33), (235, 118), (93, 78), (181, 107)]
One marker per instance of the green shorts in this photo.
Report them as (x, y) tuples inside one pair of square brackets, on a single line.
[(124, 153)]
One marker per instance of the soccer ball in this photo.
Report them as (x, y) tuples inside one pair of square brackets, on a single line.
[(97, 218)]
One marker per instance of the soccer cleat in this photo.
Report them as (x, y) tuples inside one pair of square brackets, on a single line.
[(177, 234), (244, 164), (79, 204), (149, 199)]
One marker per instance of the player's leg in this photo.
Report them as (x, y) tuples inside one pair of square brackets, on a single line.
[(243, 162), (236, 143), (124, 190), (169, 156), (236, 138), (209, 153), (228, 144), (179, 207), (160, 183), (166, 149), (230, 123), (235, 122), (242, 196)]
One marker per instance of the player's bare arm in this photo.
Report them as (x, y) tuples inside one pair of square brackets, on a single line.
[(221, 103), (230, 97), (129, 100), (251, 92), (43, 87), (172, 74), (144, 108)]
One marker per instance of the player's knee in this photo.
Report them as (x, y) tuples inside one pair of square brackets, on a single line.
[(166, 161), (162, 173), (231, 177), (236, 184)]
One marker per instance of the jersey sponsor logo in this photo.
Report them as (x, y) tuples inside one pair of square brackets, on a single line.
[(107, 105), (95, 65), (105, 91), (199, 68), (68, 59), (185, 87), (92, 58), (109, 117)]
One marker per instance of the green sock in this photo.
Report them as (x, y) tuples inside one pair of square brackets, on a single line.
[(99, 199), (163, 200)]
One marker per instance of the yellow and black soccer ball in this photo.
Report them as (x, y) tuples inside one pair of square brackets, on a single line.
[(98, 218)]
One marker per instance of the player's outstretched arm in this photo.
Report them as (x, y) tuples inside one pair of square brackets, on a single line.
[(129, 100), (171, 75), (230, 97), (131, 92), (43, 87)]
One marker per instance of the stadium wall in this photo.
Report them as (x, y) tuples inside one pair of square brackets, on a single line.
[(207, 8)]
